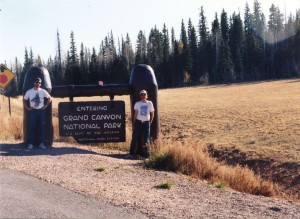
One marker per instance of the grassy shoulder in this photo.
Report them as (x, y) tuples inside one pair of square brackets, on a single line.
[(194, 159)]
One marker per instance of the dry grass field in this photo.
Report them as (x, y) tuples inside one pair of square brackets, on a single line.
[(261, 119), (253, 124)]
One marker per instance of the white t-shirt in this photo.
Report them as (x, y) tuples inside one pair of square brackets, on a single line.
[(144, 110), (36, 97)]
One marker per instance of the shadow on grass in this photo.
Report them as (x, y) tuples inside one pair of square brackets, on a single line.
[(285, 80), (293, 81), (20, 149)]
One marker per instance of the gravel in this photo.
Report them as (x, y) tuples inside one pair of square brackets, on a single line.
[(127, 183)]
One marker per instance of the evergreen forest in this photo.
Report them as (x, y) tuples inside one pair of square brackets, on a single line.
[(231, 49)]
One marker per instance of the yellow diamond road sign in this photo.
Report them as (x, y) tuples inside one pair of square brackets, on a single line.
[(6, 76)]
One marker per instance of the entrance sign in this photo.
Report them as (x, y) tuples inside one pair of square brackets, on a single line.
[(93, 122), (99, 124), (6, 76)]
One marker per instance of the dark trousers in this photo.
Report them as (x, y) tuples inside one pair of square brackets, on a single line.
[(141, 129), (36, 125)]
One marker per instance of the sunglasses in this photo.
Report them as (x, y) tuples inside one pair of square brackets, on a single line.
[(143, 94)]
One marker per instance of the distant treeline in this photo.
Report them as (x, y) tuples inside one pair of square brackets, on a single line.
[(231, 49)]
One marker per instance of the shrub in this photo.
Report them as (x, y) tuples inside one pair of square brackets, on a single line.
[(193, 159), (164, 185), (100, 169), (220, 185)]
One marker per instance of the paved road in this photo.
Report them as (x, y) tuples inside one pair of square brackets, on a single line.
[(23, 196)]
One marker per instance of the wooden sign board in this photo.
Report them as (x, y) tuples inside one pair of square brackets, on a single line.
[(93, 122)]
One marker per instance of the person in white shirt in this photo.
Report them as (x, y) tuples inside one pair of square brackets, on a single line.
[(143, 117), (36, 108)]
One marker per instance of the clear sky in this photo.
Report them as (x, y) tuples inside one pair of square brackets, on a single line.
[(34, 23)]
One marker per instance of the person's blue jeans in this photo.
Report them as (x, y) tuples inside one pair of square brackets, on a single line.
[(36, 125), (141, 129)]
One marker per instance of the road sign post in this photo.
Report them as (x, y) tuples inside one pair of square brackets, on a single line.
[(6, 76)]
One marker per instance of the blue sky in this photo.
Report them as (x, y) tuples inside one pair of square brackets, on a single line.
[(34, 23)]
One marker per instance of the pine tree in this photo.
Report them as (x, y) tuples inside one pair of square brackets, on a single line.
[(128, 53), (94, 68), (164, 66), (165, 44), (275, 32), (203, 46), (141, 49), (68, 77), (172, 40), (103, 62), (84, 69), (73, 50), (123, 64), (154, 52), (173, 60), (225, 66), (250, 44), (17, 71), (224, 26), (28, 62), (275, 24), (58, 68), (185, 55), (112, 47), (192, 40), (258, 20), (296, 45), (259, 31), (236, 42), (177, 64), (74, 74), (50, 66), (31, 57), (214, 77)]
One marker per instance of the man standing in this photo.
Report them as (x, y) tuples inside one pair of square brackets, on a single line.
[(142, 119), (36, 109)]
